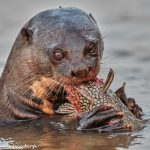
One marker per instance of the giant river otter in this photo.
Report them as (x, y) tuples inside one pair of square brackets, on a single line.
[(56, 47)]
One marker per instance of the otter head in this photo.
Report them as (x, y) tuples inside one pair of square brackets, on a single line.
[(66, 43), (57, 46)]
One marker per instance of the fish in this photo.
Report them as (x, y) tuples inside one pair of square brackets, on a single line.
[(92, 94)]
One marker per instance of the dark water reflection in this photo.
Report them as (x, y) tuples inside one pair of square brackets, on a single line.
[(125, 25), (40, 134)]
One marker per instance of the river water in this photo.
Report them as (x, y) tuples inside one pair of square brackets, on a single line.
[(125, 25)]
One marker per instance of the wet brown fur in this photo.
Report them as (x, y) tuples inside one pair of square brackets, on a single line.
[(31, 76)]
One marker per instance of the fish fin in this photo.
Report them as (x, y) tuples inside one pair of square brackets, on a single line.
[(67, 108), (122, 94), (108, 81)]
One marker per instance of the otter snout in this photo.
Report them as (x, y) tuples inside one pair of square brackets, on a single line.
[(80, 72)]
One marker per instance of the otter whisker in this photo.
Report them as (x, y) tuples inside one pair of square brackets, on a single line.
[(63, 88), (108, 60), (62, 84), (35, 77), (45, 94), (56, 94), (51, 87), (58, 90), (28, 80), (26, 83)]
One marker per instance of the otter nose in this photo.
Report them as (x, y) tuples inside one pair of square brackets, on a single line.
[(80, 73)]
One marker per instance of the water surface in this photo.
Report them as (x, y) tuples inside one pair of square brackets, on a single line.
[(125, 26)]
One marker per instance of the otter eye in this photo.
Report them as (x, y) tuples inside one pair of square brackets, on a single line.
[(92, 50), (58, 55)]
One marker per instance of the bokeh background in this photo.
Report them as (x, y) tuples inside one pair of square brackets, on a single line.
[(125, 26)]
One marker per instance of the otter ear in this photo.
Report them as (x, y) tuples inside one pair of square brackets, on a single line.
[(27, 35)]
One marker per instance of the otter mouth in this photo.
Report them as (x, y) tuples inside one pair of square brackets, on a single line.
[(76, 90), (90, 77), (61, 94), (65, 83)]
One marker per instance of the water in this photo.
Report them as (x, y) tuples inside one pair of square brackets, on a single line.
[(126, 29)]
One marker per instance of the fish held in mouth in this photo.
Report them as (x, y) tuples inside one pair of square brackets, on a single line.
[(96, 95)]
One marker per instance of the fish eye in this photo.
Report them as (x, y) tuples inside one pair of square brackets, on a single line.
[(58, 55)]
